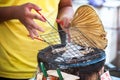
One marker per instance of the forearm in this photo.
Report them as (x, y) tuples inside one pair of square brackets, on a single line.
[(66, 12), (7, 13), (65, 9)]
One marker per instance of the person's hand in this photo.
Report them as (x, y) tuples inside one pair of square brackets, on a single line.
[(24, 14), (64, 23)]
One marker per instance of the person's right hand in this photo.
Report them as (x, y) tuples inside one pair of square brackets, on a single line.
[(24, 14)]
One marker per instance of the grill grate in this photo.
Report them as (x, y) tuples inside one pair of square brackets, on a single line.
[(70, 54)]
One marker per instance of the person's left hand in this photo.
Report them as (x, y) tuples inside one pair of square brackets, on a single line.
[(64, 23)]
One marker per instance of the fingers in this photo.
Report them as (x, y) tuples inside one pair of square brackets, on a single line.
[(33, 25), (27, 11), (32, 6), (33, 28), (33, 15), (60, 22), (39, 17), (32, 33), (64, 23), (26, 17)]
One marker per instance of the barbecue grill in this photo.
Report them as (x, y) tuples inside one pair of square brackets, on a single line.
[(86, 45)]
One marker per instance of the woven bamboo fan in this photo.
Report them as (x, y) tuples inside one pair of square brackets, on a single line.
[(88, 28)]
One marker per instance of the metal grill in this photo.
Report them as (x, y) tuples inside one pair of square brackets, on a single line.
[(80, 48), (69, 54)]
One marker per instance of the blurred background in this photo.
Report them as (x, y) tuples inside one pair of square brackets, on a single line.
[(109, 13)]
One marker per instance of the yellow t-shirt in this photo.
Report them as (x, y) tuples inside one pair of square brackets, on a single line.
[(18, 53)]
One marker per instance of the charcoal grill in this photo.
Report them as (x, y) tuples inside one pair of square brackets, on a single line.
[(69, 55), (81, 50)]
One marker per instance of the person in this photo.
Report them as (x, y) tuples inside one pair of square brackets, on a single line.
[(20, 24)]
